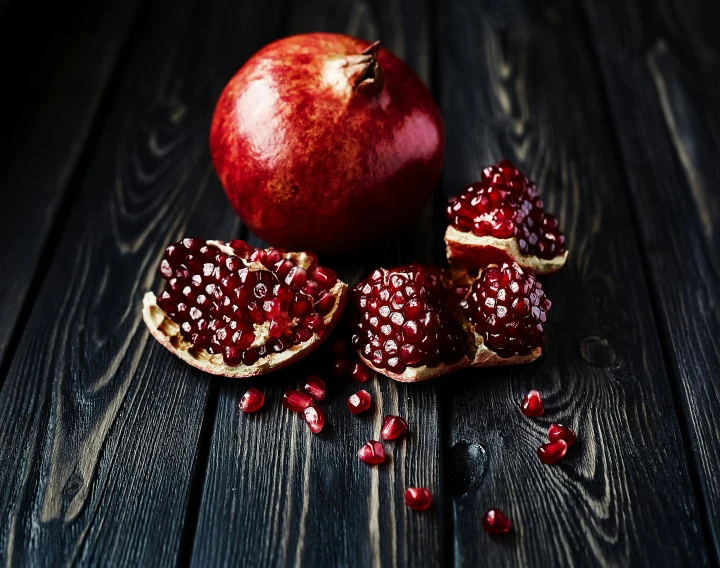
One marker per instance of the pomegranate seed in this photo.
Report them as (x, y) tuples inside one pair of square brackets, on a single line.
[(252, 400), (315, 419), (559, 432), (340, 365), (325, 277), (359, 402), (392, 427), (418, 498), (532, 404), (360, 372), (552, 451), (296, 401), (372, 453), (315, 387), (494, 522)]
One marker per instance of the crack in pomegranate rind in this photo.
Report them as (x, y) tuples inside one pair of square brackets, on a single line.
[(169, 333)]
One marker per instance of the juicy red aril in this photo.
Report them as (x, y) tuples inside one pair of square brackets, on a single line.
[(508, 307), (252, 400), (552, 451), (359, 402), (418, 498), (360, 372), (392, 427), (560, 432), (296, 401), (372, 453), (494, 522), (532, 404), (315, 387), (243, 306), (404, 320), (315, 419), (505, 204)]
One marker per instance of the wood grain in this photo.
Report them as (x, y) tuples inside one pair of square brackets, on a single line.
[(65, 59), (661, 75), (275, 494), (99, 425), (517, 81)]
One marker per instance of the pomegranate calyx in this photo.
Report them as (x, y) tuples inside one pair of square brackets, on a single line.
[(364, 72)]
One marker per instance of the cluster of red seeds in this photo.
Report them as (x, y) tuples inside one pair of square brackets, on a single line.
[(247, 305), (404, 320), (507, 306), (504, 204)]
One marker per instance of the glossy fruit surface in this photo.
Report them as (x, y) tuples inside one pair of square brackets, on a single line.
[(315, 387), (326, 142), (315, 418), (560, 432), (252, 401), (359, 402), (551, 452), (372, 453), (296, 401), (495, 522), (418, 498), (393, 426), (532, 404)]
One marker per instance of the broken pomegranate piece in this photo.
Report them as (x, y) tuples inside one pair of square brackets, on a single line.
[(234, 310), (372, 453), (552, 452), (315, 419), (532, 404), (501, 219), (392, 427), (495, 522), (559, 432), (252, 401), (416, 322), (359, 402), (418, 498)]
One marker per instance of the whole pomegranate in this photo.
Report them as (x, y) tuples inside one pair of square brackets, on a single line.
[(325, 142)]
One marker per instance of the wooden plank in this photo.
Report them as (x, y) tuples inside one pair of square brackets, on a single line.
[(275, 494), (518, 82), (59, 82), (661, 77), (99, 425)]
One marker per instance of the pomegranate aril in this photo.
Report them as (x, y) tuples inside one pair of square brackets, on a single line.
[(359, 402), (552, 451), (325, 277), (325, 303), (314, 418), (495, 522), (372, 453), (252, 400), (392, 427), (560, 432), (296, 401), (532, 404), (315, 387), (418, 498), (360, 372), (296, 278)]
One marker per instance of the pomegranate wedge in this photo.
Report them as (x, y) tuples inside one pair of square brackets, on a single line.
[(237, 311), (501, 219), (416, 322)]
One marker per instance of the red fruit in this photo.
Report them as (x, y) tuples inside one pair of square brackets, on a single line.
[(392, 427), (494, 522), (226, 312), (418, 498), (315, 387), (552, 452), (296, 401), (372, 453), (413, 325), (325, 142), (252, 401), (532, 404), (559, 432), (359, 402), (315, 419), (501, 219), (360, 372)]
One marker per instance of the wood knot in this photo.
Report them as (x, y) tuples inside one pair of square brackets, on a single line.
[(468, 463), (597, 351)]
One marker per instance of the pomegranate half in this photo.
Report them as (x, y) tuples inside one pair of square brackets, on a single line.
[(416, 322), (501, 219), (326, 142), (237, 311)]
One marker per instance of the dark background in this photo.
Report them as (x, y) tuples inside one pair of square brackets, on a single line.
[(112, 452)]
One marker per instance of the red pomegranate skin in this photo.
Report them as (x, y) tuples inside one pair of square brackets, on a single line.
[(307, 162)]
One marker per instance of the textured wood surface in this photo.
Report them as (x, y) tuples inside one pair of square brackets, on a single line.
[(55, 96), (661, 76), (320, 505), (624, 488)]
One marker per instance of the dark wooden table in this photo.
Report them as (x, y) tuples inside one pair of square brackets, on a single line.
[(115, 453)]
